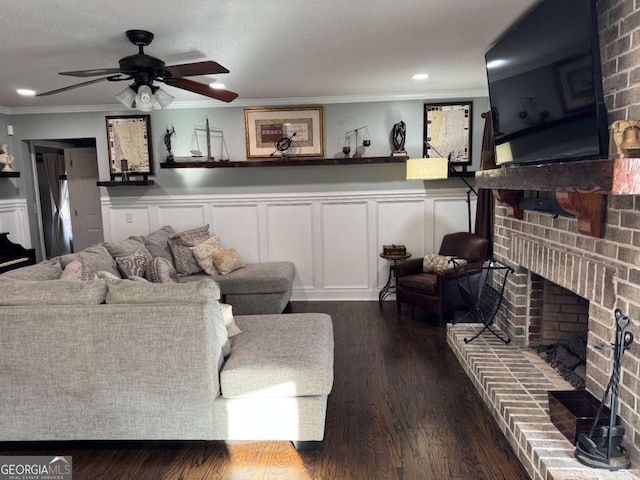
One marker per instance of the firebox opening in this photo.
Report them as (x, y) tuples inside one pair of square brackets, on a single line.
[(564, 324)]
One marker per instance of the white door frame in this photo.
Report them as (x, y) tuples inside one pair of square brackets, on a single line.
[(32, 144)]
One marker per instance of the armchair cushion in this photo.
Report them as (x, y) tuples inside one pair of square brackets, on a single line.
[(424, 283)]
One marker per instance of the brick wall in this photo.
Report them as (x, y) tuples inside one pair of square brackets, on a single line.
[(619, 24), (563, 313), (606, 271)]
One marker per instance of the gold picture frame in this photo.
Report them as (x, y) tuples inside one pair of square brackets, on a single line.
[(264, 127), (129, 138), (447, 128)]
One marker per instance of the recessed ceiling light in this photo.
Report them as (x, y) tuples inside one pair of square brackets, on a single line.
[(25, 92), (217, 86), (499, 62), (420, 76)]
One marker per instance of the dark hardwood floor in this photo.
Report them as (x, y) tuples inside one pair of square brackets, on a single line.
[(401, 408)]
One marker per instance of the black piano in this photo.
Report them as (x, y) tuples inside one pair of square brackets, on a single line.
[(13, 255)]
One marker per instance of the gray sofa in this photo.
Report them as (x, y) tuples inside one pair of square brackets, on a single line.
[(256, 288), (119, 359)]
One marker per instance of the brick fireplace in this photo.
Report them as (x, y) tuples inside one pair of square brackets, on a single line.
[(605, 272)]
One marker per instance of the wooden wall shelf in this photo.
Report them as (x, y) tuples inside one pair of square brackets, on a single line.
[(9, 174), (189, 162), (580, 187), (130, 183)]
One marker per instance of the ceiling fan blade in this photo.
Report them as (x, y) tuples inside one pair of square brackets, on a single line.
[(71, 87), (197, 68), (203, 89), (92, 73)]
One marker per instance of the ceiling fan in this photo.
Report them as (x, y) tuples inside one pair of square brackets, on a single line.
[(144, 70)]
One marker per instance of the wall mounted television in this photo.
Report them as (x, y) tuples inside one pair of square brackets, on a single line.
[(545, 86)]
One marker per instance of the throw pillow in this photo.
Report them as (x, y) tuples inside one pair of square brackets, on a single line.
[(96, 255), (136, 278), (160, 270), (226, 261), (134, 265), (181, 243), (124, 247), (45, 270), (78, 270), (157, 242), (229, 322), (108, 276), (203, 252), (433, 263)]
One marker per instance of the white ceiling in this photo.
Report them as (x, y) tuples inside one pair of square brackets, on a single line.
[(276, 50)]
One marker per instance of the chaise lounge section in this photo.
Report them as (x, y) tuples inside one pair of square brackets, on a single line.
[(127, 360)]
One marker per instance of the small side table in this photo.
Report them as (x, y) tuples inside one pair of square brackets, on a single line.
[(390, 287)]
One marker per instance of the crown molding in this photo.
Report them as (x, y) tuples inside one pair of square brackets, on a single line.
[(393, 97)]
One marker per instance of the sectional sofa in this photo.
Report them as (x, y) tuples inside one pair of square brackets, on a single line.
[(115, 359)]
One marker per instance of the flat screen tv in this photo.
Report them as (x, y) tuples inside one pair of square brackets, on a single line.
[(545, 86)]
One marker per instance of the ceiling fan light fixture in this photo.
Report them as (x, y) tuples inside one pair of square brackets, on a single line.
[(163, 98), (126, 97), (144, 98)]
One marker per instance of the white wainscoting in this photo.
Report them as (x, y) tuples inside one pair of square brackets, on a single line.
[(334, 239), (14, 219)]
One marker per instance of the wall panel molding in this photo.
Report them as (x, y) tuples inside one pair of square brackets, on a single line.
[(333, 238), (14, 219)]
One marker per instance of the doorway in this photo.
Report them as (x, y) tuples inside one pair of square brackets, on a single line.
[(67, 198)]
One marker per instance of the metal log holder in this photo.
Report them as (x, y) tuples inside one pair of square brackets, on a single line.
[(482, 290), (602, 448)]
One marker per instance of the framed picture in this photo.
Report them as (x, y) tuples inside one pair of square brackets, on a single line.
[(264, 127), (129, 138), (447, 129), (575, 83)]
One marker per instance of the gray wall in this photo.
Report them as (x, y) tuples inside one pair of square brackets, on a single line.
[(338, 118)]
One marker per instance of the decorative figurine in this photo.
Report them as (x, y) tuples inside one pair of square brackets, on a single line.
[(366, 141), (283, 145), (167, 143), (398, 137), (625, 139), (6, 158)]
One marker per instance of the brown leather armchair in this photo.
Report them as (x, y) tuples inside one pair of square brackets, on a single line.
[(438, 292)]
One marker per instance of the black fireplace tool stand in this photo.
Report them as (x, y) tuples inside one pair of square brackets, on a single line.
[(603, 449), (482, 290)]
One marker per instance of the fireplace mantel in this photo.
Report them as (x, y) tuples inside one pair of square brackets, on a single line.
[(580, 187), (620, 176)]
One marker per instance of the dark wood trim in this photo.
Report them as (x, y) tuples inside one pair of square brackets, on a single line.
[(588, 209), (620, 176), (580, 187), (188, 162), (130, 183), (512, 199)]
